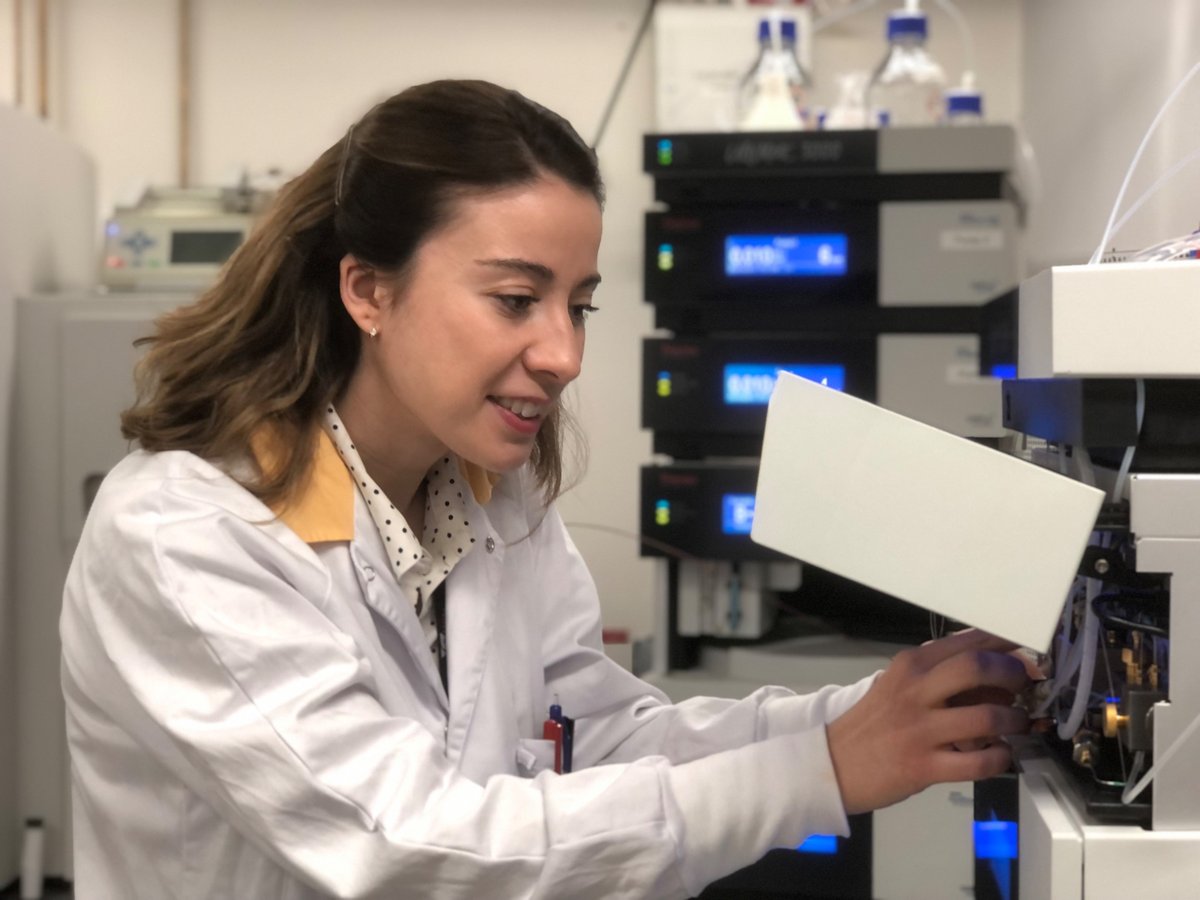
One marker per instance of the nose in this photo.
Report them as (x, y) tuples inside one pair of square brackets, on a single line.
[(556, 347)]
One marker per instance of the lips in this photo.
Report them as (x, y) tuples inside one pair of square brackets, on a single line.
[(526, 409)]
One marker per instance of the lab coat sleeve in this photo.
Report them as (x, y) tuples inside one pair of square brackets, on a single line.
[(623, 717), (185, 624)]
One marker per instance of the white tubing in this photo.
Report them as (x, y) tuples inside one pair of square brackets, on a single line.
[(1089, 641), (1136, 158), (964, 32), (834, 17), (1152, 190), (1118, 489), (1131, 794)]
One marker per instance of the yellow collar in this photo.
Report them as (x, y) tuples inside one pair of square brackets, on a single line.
[(323, 510)]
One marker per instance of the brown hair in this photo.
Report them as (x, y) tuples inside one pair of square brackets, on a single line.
[(270, 344)]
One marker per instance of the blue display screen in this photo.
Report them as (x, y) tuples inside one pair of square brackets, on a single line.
[(751, 384), (785, 255), (996, 840), (737, 513), (1004, 371), (820, 843)]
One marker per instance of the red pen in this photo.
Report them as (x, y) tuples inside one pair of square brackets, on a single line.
[(553, 731)]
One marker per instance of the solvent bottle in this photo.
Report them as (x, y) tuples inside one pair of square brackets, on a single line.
[(964, 106), (799, 81), (907, 86), (765, 98)]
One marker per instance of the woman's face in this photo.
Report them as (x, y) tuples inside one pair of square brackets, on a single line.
[(486, 329)]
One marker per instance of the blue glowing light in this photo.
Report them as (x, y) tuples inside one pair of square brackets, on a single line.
[(996, 840), (751, 384), (820, 843), (786, 255), (1006, 371), (737, 513)]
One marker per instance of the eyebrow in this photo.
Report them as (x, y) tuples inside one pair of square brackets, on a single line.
[(534, 270)]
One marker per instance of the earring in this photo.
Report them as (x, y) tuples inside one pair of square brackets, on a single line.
[(374, 331)]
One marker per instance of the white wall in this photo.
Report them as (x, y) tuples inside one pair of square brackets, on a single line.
[(1087, 108), (276, 81)]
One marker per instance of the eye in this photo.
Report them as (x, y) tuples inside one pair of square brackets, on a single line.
[(516, 303), (581, 311)]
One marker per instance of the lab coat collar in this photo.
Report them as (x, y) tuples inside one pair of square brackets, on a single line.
[(471, 592), (323, 510)]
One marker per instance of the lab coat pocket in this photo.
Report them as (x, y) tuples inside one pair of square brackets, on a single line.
[(534, 756)]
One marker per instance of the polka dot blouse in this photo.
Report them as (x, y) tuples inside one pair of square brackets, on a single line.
[(419, 565)]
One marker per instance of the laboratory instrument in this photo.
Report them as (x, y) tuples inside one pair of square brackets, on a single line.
[(1108, 392), (74, 365), (176, 239), (49, 246)]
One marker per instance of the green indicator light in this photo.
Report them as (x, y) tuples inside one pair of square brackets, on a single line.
[(666, 257), (666, 153), (662, 512), (664, 384)]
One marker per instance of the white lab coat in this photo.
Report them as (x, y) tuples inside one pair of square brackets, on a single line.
[(251, 716)]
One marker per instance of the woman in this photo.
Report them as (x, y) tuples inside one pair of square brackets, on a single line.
[(314, 625)]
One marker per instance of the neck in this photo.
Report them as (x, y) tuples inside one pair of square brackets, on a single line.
[(396, 459)]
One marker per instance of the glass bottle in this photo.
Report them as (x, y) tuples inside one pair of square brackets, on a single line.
[(765, 98), (907, 87)]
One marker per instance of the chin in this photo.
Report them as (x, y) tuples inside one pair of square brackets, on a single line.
[(500, 460)]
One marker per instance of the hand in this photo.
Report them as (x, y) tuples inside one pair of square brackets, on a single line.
[(906, 732)]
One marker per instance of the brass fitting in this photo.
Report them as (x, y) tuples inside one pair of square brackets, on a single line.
[(1113, 720)]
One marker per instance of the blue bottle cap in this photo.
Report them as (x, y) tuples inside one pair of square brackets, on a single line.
[(764, 30), (961, 101), (901, 22), (787, 31)]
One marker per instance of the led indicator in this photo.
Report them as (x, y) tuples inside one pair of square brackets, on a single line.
[(662, 512), (788, 255), (737, 513), (996, 840), (1006, 371), (666, 152), (666, 257), (825, 844), (663, 384), (751, 384)]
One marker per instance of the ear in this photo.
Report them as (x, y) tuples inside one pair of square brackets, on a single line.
[(362, 292)]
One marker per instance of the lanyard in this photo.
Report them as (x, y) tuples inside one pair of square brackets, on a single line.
[(439, 622)]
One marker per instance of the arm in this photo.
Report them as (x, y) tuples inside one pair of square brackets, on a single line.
[(200, 643), (620, 717)]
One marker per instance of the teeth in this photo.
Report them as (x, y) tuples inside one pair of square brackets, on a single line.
[(523, 408)]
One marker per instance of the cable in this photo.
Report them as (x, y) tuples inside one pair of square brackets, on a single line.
[(1136, 158), (1153, 189), (1118, 489), (1088, 642), (833, 18), (1111, 620), (666, 548), (964, 33), (1128, 796), (1112, 692), (616, 91)]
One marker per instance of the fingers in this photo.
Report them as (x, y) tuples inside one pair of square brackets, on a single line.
[(965, 725), (971, 670), (950, 765), (930, 654)]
